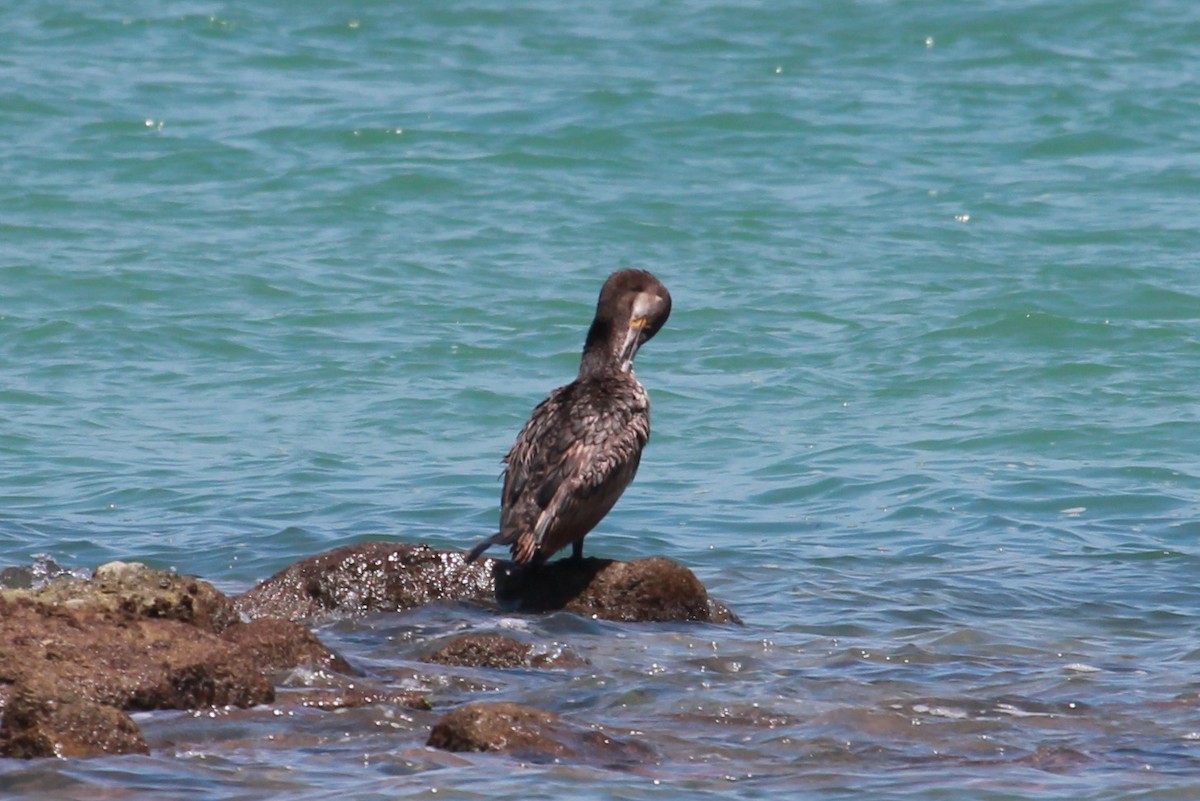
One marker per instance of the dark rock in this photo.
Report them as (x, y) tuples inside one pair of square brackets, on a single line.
[(41, 571), (275, 644), (653, 590), (496, 651), (720, 613), (387, 577), (528, 733), (1055, 758), (371, 577), (44, 720)]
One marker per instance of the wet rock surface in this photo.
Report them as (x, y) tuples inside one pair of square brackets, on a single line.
[(371, 577), (498, 651), (499, 726), (135, 589), (388, 577), (275, 644), (646, 590), (63, 660), (529, 733), (356, 696), (44, 720), (79, 654), (83, 653)]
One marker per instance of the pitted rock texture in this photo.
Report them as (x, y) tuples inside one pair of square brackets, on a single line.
[(365, 578), (497, 651), (386, 577), (529, 733)]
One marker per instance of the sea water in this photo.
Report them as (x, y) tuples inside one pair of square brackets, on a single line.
[(279, 277)]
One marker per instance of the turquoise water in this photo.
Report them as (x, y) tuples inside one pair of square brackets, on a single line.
[(277, 277)]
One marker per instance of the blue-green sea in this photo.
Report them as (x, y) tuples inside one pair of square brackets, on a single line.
[(278, 277)]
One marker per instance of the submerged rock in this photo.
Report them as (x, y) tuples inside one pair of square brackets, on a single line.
[(529, 733), (499, 726), (649, 590), (371, 577), (352, 697), (497, 651)]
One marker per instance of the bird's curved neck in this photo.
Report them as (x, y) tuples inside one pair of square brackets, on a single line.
[(601, 350)]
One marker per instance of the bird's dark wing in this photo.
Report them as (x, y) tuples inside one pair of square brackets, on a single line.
[(538, 447), (572, 460)]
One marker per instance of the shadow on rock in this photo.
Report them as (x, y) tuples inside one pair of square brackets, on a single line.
[(644, 590)]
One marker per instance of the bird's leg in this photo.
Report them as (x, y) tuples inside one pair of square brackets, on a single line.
[(577, 550)]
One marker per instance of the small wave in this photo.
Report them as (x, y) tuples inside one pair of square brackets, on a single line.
[(39, 573)]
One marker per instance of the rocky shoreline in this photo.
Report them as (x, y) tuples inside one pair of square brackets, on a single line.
[(83, 654)]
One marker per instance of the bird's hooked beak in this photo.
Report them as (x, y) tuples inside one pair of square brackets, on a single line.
[(643, 323), (633, 341)]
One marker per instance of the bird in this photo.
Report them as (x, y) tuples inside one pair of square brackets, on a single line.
[(581, 447)]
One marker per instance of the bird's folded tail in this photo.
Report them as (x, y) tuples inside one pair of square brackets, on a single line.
[(496, 539)]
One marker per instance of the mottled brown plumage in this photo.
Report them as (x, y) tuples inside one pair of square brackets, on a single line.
[(581, 446)]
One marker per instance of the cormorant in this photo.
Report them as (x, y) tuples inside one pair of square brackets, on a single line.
[(582, 444)]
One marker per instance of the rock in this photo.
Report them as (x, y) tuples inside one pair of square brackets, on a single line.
[(274, 644), (1055, 758), (43, 720), (352, 697), (529, 733), (720, 613), (498, 726), (386, 577), (41, 571), (133, 588), (78, 657), (370, 577), (126, 661), (644, 590), (496, 651)]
